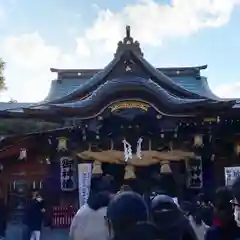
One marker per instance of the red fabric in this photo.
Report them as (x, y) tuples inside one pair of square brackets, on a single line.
[(217, 222)]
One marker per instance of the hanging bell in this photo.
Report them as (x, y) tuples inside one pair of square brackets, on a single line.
[(97, 168), (165, 168), (129, 172)]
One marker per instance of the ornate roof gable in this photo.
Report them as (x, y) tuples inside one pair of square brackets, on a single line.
[(128, 60), (128, 44), (128, 75)]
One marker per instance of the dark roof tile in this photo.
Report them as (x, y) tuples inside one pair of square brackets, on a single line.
[(61, 88), (199, 86), (15, 105)]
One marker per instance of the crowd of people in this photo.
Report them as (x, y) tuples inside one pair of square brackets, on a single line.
[(125, 214)]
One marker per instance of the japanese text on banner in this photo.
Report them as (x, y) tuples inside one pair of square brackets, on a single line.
[(84, 181)]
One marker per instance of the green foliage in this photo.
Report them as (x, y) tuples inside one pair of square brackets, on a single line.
[(24, 126), (2, 78)]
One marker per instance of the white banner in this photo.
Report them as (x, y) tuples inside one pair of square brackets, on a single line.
[(231, 173), (84, 182)]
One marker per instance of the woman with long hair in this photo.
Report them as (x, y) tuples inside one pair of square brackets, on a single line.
[(128, 218)]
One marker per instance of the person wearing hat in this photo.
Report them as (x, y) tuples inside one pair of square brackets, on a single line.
[(171, 222), (128, 218)]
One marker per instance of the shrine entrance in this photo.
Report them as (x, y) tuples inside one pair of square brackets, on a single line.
[(137, 145)]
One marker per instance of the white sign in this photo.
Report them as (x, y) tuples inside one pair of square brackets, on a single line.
[(231, 173), (84, 182)]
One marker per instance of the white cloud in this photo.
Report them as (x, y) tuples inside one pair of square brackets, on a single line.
[(29, 56), (230, 90), (29, 51), (28, 61), (154, 22)]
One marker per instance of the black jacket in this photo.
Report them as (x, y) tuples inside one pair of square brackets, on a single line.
[(33, 217), (217, 232), (3, 217), (171, 222)]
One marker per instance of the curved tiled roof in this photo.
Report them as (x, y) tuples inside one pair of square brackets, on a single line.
[(177, 87), (118, 89), (101, 77), (63, 87), (127, 88), (199, 86)]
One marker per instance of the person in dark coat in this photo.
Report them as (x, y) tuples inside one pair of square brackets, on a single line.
[(203, 211), (34, 214), (224, 225), (171, 222), (3, 218)]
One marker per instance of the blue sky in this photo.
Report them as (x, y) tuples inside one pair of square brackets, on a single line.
[(37, 35)]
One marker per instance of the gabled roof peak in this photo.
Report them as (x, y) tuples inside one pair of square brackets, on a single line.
[(128, 44)]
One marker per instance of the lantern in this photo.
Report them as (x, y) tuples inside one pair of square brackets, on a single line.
[(62, 144), (198, 140), (23, 154)]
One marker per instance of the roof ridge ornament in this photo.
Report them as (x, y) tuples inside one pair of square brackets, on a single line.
[(128, 44), (128, 31)]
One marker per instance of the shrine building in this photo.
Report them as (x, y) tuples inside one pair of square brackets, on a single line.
[(131, 120)]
